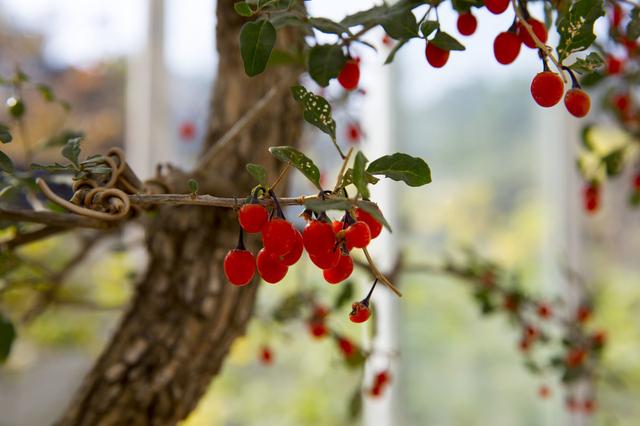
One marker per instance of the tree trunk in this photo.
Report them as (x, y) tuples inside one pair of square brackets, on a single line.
[(184, 315)]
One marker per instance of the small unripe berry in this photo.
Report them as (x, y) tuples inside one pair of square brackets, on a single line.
[(278, 236), (358, 235), (547, 88), (359, 312), (538, 29), (318, 237), (467, 24), (375, 227), (506, 47), (252, 217), (295, 253), (349, 75), (577, 102), (239, 267), (270, 268), (340, 272), (496, 6), (436, 57)]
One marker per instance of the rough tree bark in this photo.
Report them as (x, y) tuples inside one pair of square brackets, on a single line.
[(184, 316)]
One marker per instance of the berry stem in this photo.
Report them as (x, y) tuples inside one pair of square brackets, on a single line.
[(574, 80), (376, 273), (345, 161), (277, 203), (365, 301), (240, 245), (281, 176)]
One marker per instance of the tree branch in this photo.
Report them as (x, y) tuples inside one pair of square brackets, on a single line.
[(60, 220)]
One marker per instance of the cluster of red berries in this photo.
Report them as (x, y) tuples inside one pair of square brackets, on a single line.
[(547, 89), (591, 197), (380, 381)]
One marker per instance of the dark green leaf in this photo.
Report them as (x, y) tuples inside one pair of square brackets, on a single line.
[(589, 64), (7, 336), (359, 174), (375, 212), (328, 26), (257, 39), (318, 205), (633, 27), (46, 92), (325, 62), (576, 26), (243, 9), (402, 167), (317, 110), (347, 178), (5, 134), (62, 137), (428, 27), (299, 161), (71, 150), (258, 172), (395, 49), (446, 42), (355, 404), (193, 186), (591, 79), (54, 168), (400, 24), (282, 20), (365, 17), (15, 107), (6, 165), (613, 162)]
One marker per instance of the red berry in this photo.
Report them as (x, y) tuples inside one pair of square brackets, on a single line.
[(266, 356), (358, 235), (467, 23), (318, 237), (538, 29), (375, 227), (435, 56), (599, 338), (589, 406), (511, 303), (524, 345), (349, 75), (340, 272), (591, 205), (386, 40), (239, 267), (346, 347), (617, 15), (187, 130), (544, 392), (614, 65), (252, 217), (338, 226), (318, 329), (576, 357), (296, 252), (583, 314), (636, 182), (278, 236), (577, 102), (359, 312), (353, 132), (270, 268), (547, 88), (506, 47), (544, 311), (375, 391), (496, 6), (571, 404), (622, 102), (382, 378), (326, 260)]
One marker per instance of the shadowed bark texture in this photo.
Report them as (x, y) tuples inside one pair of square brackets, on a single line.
[(184, 316)]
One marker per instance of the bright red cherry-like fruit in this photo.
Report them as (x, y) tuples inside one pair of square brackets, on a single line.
[(295, 253), (349, 75), (436, 57), (239, 267), (591, 205), (614, 65), (496, 6), (358, 235), (467, 23), (547, 88), (346, 347), (636, 182), (506, 47), (375, 227), (318, 237), (538, 29), (326, 260), (359, 312), (318, 329), (340, 272), (270, 268), (577, 102), (278, 236), (353, 132), (252, 217)]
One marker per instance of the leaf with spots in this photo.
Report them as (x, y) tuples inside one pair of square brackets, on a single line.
[(576, 27), (299, 161), (317, 110)]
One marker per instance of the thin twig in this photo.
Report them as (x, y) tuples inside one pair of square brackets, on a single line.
[(379, 275), (62, 220), (342, 169), (281, 176)]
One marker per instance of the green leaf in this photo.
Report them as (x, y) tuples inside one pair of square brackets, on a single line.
[(318, 205), (299, 161), (359, 174), (193, 186), (413, 171), (428, 27), (614, 162), (54, 168), (15, 107), (400, 24), (345, 295), (257, 39), (365, 17), (258, 172), (355, 404), (375, 212), (325, 62), (589, 64), (576, 26), (6, 165), (633, 27), (71, 150), (446, 42), (243, 9), (46, 92), (317, 110), (7, 336), (395, 49), (62, 137), (5, 134), (328, 26), (347, 178)]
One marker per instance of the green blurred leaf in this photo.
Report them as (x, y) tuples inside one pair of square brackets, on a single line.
[(589, 64), (259, 173), (359, 175), (318, 205), (355, 404), (5, 134), (46, 92), (395, 50), (633, 27), (62, 137), (413, 171), (15, 107), (193, 186), (400, 23), (7, 337), (345, 295), (328, 26), (71, 150), (325, 62), (243, 9), (375, 212), (428, 27), (6, 165), (257, 39), (446, 42), (298, 160), (365, 17)]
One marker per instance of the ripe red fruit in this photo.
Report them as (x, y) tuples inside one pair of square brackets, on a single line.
[(340, 272), (544, 311), (239, 267), (622, 102), (544, 392), (359, 312), (187, 130), (576, 357), (375, 227), (467, 24), (278, 236), (496, 6), (436, 57), (583, 314), (318, 237), (346, 347), (353, 132), (349, 75), (295, 253), (338, 226), (266, 356), (318, 329), (614, 65), (547, 88), (599, 338), (386, 40), (358, 235), (636, 182), (589, 406), (269, 267), (538, 29), (326, 260), (617, 15), (577, 102), (591, 205), (252, 217), (506, 47)]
